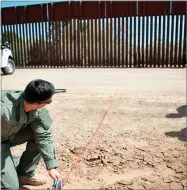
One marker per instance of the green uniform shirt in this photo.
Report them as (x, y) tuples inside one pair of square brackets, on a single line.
[(14, 118)]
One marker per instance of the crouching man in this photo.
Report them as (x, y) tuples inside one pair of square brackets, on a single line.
[(24, 119)]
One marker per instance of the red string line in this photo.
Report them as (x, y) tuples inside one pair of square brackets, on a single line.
[(90, 142)]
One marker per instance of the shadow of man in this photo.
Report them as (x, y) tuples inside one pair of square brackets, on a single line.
[(182, 112), (181, 135)]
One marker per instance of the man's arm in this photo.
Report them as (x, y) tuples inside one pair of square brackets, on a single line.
[(43, 137)]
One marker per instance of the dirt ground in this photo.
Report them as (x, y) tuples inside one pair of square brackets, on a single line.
[(142, 141)]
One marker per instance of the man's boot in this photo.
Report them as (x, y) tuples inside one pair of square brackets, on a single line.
[(35, 180)]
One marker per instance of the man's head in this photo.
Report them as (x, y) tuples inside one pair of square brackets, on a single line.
[(37, 94)]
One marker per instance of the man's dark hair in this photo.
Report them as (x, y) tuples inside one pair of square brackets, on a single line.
[(38, 91)]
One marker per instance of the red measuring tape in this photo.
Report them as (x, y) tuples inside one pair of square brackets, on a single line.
[(90, 142)]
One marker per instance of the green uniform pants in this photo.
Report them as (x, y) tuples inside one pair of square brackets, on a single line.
[(28, 162)]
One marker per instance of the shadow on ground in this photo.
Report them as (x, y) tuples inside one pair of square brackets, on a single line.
[(182, 112), (181, 135)]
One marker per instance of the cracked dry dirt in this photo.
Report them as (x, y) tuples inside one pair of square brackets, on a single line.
[(142, 142)]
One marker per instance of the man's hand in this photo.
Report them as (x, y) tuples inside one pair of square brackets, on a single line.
[(53, 173)]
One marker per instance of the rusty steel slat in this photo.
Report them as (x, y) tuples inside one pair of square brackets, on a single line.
[(24, 44), (151, 42), (163, 42), (47, 45), (96, 47), (55, 44), (60, 44), (118, 61), (5, 33), (36, 44), (41, 55), (115, 44), (10, 39), (184, 45), (63, 44), (67, 46), (79, 42), (159, 40), (9, 34), (29, 37), (53, 50), (78, 57), (111, 42), (123, 41), (74, 40), (85, 48), (47, 25), (16, 37), (33, 45), (172, 36), (92, 45), (130, 43), (71, 48), (52, 46), (18, 45), (88, 37), (21, 45), (39, 44), (176, 38), (167, 45), (104, 42), (147, 42), (82, 45), (14, 44), (127, 37), (107, 43), (139, 60), (143, 36), (155, 42), (41, 36), (29, 44), (134, 47), (180, 41), (41, 33), (100, 63)]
